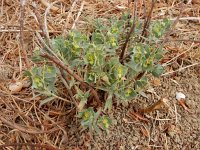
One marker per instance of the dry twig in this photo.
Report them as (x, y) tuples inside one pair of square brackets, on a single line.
[(124, 48), (78, 15), (180, 69), (20, 128), (68, 16), (54, 8), (22, 13)]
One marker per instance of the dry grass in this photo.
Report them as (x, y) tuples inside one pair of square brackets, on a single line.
[(21, 119)]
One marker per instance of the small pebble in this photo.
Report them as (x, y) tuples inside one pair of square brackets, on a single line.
[(16, 87), (180, 95)]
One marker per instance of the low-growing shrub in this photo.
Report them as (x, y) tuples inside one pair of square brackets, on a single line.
[(95, 68)]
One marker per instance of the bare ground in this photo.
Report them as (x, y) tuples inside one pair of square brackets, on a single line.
[(172, 128)]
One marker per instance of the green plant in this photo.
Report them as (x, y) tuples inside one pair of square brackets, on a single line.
[(96, 69), (93, 120)]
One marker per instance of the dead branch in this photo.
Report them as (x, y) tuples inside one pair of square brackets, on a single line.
[(21, 21), (124, 48), (65, 82), (147, 22)]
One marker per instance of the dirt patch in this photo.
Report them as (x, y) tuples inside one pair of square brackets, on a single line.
[(172, 129)]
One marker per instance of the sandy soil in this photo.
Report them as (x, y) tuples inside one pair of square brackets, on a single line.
[(167, 129)]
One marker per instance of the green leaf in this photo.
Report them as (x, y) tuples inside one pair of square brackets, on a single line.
[(96, 115), (130, 93), (37, 83), (46, 101), (140, 84), (120, 71), (36, 55), (49, 72), (27, 73), (105, 122), (91, 77), (97, 130), (158, 70), (159, 27), (97, 38), (91, 58), (58, 44), (108, 104), (37, 58), (83, 96), (106, 79), (87, 114)]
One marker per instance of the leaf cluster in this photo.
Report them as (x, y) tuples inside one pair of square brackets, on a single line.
[(95, 57)]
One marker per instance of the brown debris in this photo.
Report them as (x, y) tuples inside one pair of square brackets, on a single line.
[(183, 104), (158, 105), (137, 116)]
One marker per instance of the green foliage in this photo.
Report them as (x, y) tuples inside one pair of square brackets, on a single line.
[(93, 120), (44, 78), (96, 58), (159, 28), (83, 98)]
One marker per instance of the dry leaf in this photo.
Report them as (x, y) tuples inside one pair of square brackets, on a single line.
[(76, 148), (121, 7), (155, 106), (156, 82)]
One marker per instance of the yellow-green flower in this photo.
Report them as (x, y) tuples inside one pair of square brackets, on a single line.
[(38, 82), (105, 122), (120, 72), (49, 70), (114, 29), (128, 92), (86, 115), (91, 58)]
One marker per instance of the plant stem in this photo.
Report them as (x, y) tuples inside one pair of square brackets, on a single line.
[(147, 22), (65, 82), (68, 70), (124, 48)]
